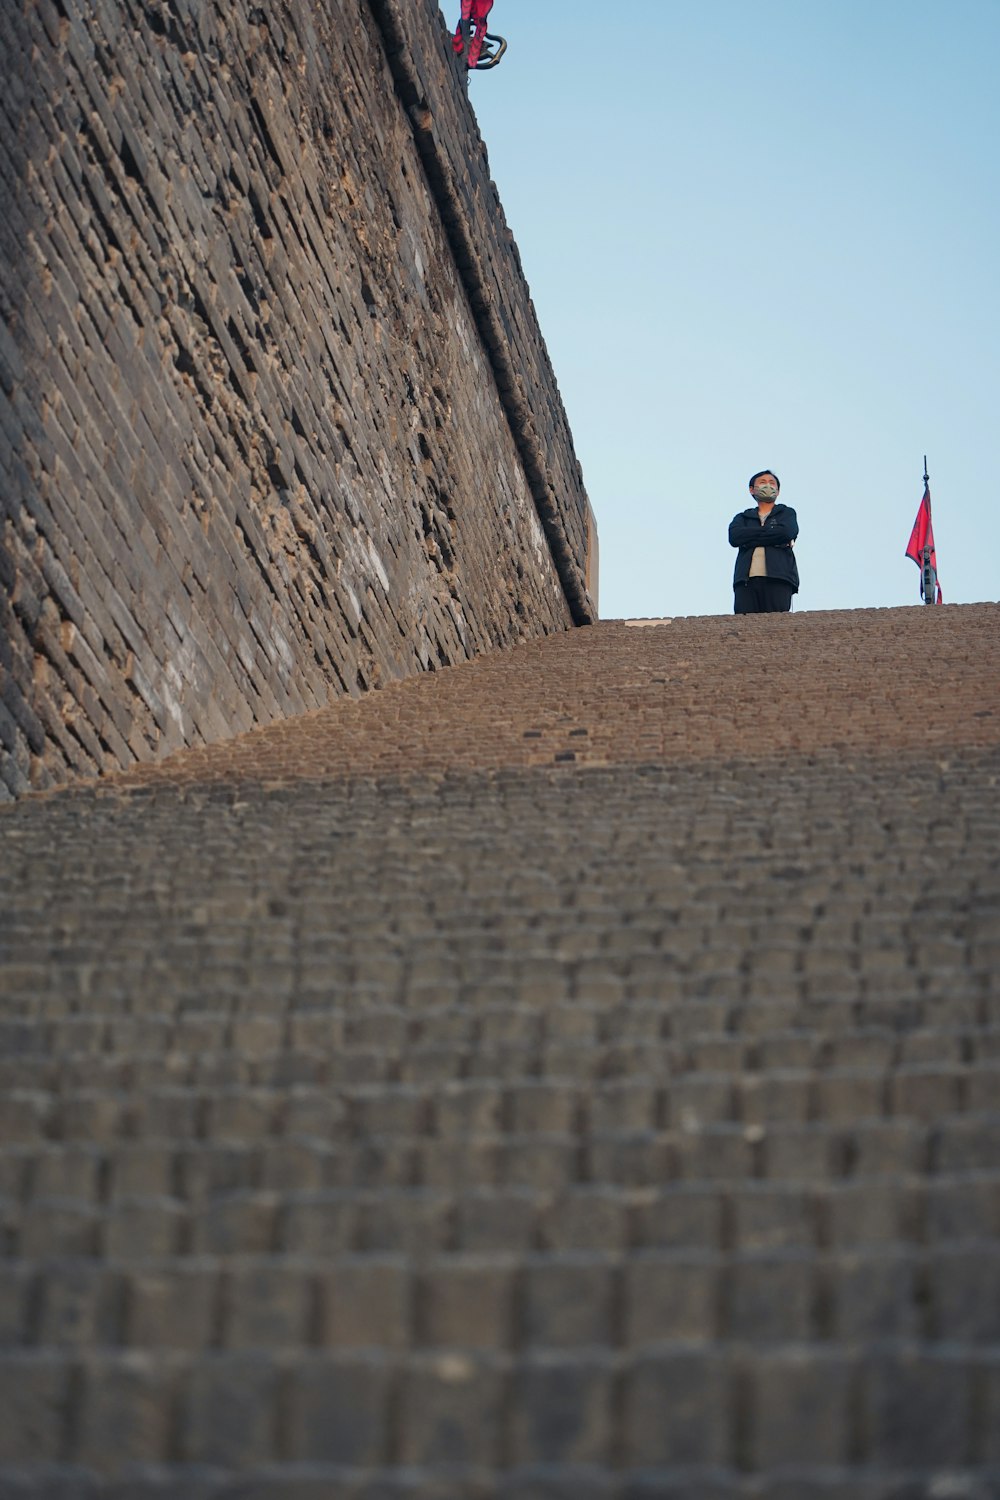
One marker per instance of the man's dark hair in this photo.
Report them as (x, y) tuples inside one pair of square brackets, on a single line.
[(755, 477)]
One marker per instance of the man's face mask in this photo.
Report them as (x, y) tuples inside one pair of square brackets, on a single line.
[(766, 491)]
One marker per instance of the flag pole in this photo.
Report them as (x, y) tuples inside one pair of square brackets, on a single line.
[(929, 583), (920, 547)]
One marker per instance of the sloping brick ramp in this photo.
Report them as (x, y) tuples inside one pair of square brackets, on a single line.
[(573, 1075)]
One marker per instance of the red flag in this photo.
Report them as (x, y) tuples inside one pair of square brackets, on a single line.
[(922, 536)]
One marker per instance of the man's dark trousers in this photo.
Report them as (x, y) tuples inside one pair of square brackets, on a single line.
[(762, 596)]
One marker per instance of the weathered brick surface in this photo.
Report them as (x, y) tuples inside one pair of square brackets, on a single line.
[(487, 257), (396, 1107), (276, 419)]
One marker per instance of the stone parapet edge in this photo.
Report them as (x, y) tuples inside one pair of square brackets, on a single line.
[(579, 586)]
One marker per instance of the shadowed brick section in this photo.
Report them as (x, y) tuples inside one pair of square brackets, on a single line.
[(394, 1106), (490, 268), (277, 423)]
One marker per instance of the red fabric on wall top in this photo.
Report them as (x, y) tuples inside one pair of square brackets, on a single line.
[(922, 536)]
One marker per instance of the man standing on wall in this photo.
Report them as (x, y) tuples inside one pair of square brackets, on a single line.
[(766, 575)]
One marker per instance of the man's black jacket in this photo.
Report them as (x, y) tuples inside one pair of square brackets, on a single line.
[(777, 534)]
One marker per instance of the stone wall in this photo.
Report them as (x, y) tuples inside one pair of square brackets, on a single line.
[(276, 419)]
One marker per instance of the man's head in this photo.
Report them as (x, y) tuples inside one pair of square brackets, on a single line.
[(763, 488), (763, 477)]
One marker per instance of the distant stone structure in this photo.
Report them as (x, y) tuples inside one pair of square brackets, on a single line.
[(276, 419)]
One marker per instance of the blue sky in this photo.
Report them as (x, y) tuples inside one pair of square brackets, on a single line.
[(764, 235)]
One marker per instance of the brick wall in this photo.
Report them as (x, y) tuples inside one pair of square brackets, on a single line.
[(276, 419), (571, 1076)]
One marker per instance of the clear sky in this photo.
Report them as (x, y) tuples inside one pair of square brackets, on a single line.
[(764, 235)]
